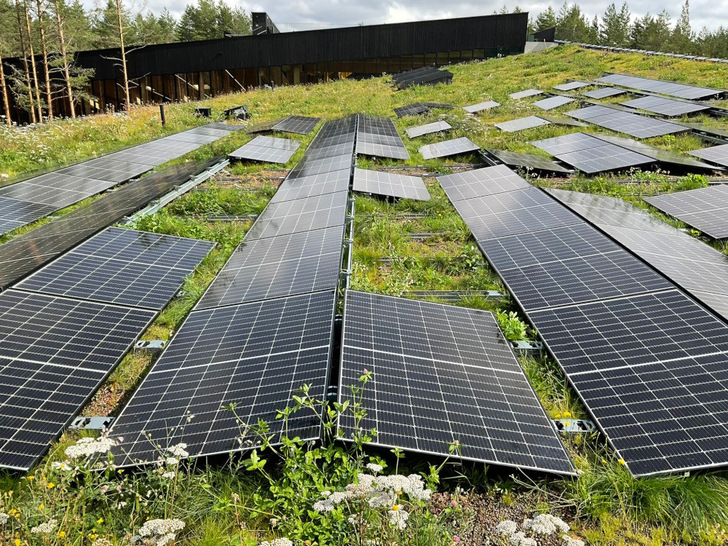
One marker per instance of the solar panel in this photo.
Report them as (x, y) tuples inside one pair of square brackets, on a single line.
[(267, 149), (481, 182), (444, 105), (658, 86), (664, 106), (444, 374), (15, 213), (301, 125), (604, 92), (663, 156), (475, 108), (446, 148), (553, 102), (707, 129), (565, 122), (378, 137), (255, 355), (528, 161), (626, 122), (30, 250), (429, 128), (287, 265), (54, 353), (392, 185), (590, 154), (520, 124), (570, 86), (286, 217), (705, 209), (525, 93), (309, 186), (513, 212), (715, 154), (411, 110), (311, 167), (121, 266), (264, 126)]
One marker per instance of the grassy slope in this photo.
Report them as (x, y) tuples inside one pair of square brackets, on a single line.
[(445, 262)]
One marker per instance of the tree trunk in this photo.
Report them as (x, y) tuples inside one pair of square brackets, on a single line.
[(123, 56), (66, 71), (6, 102), (25, 62), (41, 26), (32, 62)]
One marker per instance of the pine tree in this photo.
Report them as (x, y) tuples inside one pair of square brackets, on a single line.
[(682, 39), (546, 20), (615, 27)]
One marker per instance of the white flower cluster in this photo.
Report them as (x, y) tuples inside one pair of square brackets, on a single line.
[(159, 532), (546, 524), (277, 542), (398, 517), (45, 528), (4, 518), (87, 447), (543, 524), (179, 451), (374, 468)]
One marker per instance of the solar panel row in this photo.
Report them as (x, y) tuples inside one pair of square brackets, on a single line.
[(27, 201), (640, 353), (64, 329), (262, 330), (626, 122), (658, 86), (267, 150), (379, 137), (664, 106), (393, 185), (705, 209)]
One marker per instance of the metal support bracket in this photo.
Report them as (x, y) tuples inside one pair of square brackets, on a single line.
[(574, 426), (151, 345), (91, 423), (527, 346)]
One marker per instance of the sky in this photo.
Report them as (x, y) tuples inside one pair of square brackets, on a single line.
[(293, 15)]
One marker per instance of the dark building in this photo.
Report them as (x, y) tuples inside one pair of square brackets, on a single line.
[(195, 70)]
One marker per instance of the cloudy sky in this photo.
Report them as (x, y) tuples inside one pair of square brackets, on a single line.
[(291, 15)]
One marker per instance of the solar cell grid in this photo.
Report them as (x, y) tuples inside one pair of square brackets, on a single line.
[(626, 122), (443, 373), (525, 93), (521, 124), (604, 92), (664, 156), (528, 161), (703, 208), (411, 110), (570, 86), (664, 106), (393, 185), (429, 128), (446, 148), (658, 86), (309, 186), (278, 266), (552, 102), (481, 182), (311, 167), (716, 154), (255, 355), (301, 125), (267, 149), (382, 150)]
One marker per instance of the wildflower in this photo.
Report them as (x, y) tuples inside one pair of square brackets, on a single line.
[(398, 517), (179, 450), (41, 506), (61, 534), (51, 485), (277, 542), (520, 539), (102, 542), (374, 468), (4, 518), (169, 475), (63, 467), (453, 502), (87, 447), (621, 461), (506, 527), (121, 505), (17, 542), (99, 521), (456, 539), (604, 461), (273, 523), (45, 528), (161, 527), (568, 541)]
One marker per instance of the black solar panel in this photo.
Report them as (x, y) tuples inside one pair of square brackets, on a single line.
[(513, 212), (520, 124), (54, 353), (393, 185), (553, 102), (604, 92), (590, 154), (525, 93), (429, 128), (121, 266), (411, 110), (663, 156), (301, 125), (658, 86), (278, 266), (481, 182), (440, 374), (475, 108), (378, 137), (309, 186), (715, 154), (311, 167), (664, 106), (256, 356), (626, 122), (285, 217), (528, 161), (706, 209), (446, 148), (267, 149), (15, 213)]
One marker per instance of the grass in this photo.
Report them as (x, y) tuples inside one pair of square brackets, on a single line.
[(221, 503)]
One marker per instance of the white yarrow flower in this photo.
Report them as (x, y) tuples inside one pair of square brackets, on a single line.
[(45, 528), (568, 541), (161, 527), (375, 468), (398, 517), (87, 447), (277, 542), (506, 527), (4, 518)]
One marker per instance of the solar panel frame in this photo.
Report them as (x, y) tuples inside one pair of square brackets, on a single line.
[(553, 102), (664, 106), (428, 128), (520, 124), (479, 107), (480, 387), (309, 186), (716, 154), (457, 146)]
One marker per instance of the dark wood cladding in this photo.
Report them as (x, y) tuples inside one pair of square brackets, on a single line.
[(506, 33)]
